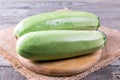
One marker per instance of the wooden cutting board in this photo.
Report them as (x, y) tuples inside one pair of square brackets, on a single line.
[(64, 67)]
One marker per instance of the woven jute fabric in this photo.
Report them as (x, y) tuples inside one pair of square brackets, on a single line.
[(110, 53)]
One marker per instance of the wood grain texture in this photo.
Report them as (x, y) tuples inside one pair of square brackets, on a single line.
[(12, 11), (21, 9), (3, 62), (6, 74)]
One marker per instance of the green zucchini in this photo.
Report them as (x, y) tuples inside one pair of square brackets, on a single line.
[(58, 20), (59, 44)]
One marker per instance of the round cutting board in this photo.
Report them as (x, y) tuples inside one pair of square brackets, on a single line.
[(64, 67)]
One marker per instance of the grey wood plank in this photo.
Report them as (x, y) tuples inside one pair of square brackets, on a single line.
[(103, 74), (51, 5), (107, 73), (3, 62), (9, 73), (116, 63), (13, 12), (115, 70), (91, 1)]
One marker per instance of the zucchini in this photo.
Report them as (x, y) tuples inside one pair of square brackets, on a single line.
[(59, 44), (58, 20)]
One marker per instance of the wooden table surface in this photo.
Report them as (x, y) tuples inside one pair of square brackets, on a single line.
[(13, 11)]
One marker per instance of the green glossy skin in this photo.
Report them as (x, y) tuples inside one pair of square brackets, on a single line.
[(59, 44), (59, 20)]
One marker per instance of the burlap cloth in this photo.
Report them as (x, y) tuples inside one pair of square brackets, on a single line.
[(110, 53)]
